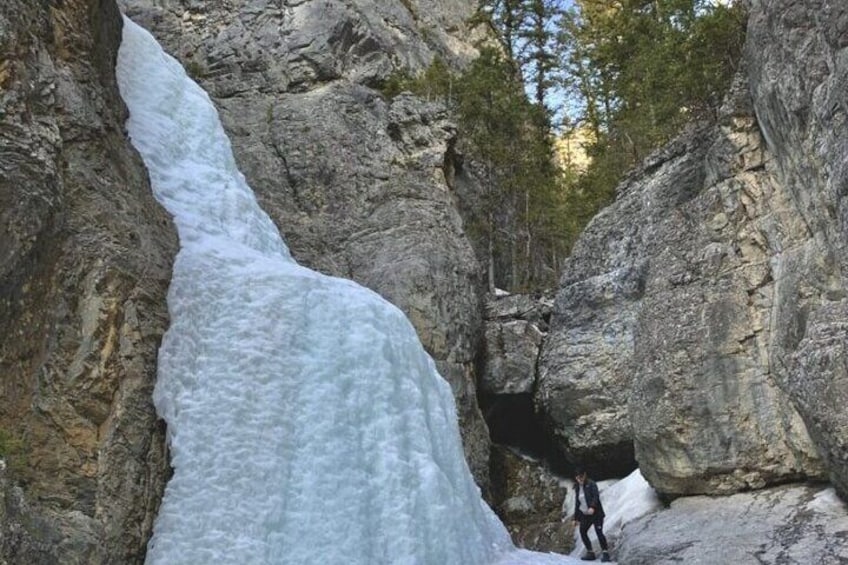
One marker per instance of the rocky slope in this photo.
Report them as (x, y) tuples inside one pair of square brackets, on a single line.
[(791, 525), (85, 256), (361, 186), (699, 325), (529, 499)]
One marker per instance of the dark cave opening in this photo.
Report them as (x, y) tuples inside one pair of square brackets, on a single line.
[(513, 422)]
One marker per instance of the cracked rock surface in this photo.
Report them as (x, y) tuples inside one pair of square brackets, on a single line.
[(699, 326), (515, 326), (85, 261), (786, 525), (660, 337)]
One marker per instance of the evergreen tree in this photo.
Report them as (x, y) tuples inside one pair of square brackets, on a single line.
[(641, 69), (506, 20), (509, 137), (539, 61), (518, 222), (628, 72), (648, 66)]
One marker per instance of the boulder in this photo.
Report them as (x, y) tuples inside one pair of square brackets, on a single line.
[(515, 325), (698, 326), (661, 332), (511, 351), (533, 308), (784, 525)]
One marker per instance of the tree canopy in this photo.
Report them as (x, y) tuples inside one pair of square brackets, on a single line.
[(516, 223), (640, 69), (622, 76)]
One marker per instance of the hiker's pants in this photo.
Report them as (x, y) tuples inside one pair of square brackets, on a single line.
[(586, 521)]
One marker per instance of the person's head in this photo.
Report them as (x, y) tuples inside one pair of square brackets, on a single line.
[(580, 474)]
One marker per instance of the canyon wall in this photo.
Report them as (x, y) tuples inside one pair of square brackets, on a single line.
[(85, 260), (699, 327)]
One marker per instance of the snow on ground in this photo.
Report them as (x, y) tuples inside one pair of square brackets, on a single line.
[(306, 423), (828, 502), (624, 500)]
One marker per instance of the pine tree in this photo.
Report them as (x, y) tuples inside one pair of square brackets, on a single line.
[(539, 33), (630, 72), (641, 69)]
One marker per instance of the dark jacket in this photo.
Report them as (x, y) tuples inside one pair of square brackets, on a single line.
[(593, 499)]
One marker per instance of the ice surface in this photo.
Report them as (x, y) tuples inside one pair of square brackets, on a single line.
[(306, 423)]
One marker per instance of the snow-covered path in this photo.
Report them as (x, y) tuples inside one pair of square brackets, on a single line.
[(306, 422)]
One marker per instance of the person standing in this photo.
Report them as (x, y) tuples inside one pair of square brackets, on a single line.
[(588, 512)]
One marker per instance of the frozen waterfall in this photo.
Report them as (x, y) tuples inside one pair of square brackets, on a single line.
[(306, 423)]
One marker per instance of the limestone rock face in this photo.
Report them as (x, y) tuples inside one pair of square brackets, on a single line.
[(515, 326), (703, 384), (798, 83), (360, 186), (786, 525), (85, 258), (699, 318), (275, 47), (512, 348)]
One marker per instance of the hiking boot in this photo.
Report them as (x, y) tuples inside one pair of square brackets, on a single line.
[(590, 556), (605, 557)]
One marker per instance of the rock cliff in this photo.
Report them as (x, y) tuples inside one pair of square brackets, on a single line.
[(699, 324), (798, 79), (360, 186), (85, 258)]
